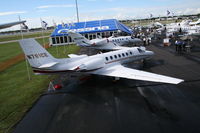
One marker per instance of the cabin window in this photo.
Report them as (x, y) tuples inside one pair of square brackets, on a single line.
[(119, 55), (123, 54), (131, 53), (126, 54), (115, 56), (107, 58), (111, 57)]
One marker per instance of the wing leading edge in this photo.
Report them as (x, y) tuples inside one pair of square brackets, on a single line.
[(124, 72)]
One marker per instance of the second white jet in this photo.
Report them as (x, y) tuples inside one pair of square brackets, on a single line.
[(111, 43)]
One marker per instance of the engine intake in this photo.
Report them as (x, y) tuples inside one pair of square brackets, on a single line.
[(91, 65)]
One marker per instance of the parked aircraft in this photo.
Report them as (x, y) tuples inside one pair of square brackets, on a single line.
[(7, 25), (154, 25), (195, 23), (183, 26), (111, 43), (105, 64)]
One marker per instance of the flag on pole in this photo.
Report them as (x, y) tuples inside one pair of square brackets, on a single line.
[(168, 12), (44, 24)]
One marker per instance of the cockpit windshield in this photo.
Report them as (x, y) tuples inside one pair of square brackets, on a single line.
[(140, 50)]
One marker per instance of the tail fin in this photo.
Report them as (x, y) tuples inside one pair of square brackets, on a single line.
[(36, 55), (79, 39)]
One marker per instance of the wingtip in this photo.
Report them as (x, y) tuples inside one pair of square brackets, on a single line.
[(177, 81), (181, 80)]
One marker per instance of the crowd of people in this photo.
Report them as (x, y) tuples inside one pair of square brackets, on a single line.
[(146, 39), (181, 46)]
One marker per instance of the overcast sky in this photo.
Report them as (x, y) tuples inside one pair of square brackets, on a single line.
[(64, 10)]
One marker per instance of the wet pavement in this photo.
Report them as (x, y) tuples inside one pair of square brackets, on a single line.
[(99, 104)]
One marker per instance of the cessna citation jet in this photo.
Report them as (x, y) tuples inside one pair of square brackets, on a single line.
[(106, 64), (111, 43)]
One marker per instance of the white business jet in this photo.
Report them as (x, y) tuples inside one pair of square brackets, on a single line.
[(111, 43), (195, 23), (106, 64)]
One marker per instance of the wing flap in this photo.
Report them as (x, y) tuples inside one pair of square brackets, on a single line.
[(123, 72)]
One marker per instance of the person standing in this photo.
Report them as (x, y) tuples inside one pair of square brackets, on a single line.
[(176, 44), (144, 41), (149, 40)]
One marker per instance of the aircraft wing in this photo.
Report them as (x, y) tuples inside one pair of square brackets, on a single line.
[(124, 72), (120, 47), (77, 56), (7, 25)]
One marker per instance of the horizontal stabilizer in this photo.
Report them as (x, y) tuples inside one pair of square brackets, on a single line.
[(48, 65), (79, 39)]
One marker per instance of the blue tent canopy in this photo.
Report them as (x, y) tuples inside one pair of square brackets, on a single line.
[(91, 27)]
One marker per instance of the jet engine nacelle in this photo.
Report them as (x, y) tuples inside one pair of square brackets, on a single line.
[(91, 65)]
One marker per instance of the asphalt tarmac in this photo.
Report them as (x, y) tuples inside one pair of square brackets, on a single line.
[(100, 105)]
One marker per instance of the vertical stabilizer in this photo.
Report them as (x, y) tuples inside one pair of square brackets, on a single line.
[(79, 39), (36, 55)]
